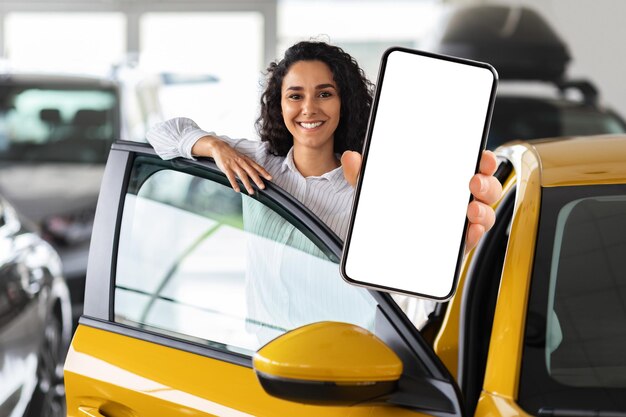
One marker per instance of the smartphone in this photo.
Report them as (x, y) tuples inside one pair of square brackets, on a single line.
[(427, 130)]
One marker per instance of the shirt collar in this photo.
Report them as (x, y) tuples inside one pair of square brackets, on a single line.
[(289, 164), (336, 178)]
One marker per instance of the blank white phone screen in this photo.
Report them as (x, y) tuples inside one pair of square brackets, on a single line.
[(426, 136)]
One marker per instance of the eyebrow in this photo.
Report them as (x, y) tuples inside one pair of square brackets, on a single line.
[(318, 87)]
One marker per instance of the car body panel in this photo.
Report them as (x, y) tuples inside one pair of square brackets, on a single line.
[(446, 344), (586, 162), (495, 405), (18, 358), (505, 348), (35, 310), (122, 369)]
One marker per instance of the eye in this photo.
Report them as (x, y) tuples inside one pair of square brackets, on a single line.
[(325, 94), (294, 96)]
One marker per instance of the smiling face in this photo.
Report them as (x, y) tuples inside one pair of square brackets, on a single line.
[(311, 105)]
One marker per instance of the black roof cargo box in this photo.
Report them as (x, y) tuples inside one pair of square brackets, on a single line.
[(517, 41)]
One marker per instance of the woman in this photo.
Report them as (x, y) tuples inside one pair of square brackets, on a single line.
[(313, 118), (314, 115)]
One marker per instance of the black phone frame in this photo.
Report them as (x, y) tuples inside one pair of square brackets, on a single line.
[(366, 145)]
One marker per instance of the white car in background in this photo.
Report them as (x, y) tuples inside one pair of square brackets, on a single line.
[(55, 135)]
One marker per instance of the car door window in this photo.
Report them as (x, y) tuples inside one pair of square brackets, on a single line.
[(576, 325), (198, 261)]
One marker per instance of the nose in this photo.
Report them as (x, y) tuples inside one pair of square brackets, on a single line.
[(309, 106)]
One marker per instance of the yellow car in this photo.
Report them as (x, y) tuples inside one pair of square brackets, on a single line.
[(204, 302)]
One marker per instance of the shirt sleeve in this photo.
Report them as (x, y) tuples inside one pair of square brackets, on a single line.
[(175, 137)]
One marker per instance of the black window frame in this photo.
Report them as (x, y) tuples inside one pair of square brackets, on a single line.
[(478, 304)]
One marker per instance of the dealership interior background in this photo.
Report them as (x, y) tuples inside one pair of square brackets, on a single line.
[(234, 40), (132, 63)]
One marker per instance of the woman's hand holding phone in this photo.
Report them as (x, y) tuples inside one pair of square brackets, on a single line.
[(485, 189)]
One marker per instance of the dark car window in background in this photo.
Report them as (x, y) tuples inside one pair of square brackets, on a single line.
[(57, 124), (533, 118), (575, 344), (198, 261)]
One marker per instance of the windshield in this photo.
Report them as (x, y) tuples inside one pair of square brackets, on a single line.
[(39, 124), (576, 321)]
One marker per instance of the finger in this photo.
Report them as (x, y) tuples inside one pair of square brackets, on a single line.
[(232, 179), (243, 176), (482, 214), (260, 170), (351, 162), (485, 188), (488, 163), (254, 175), (474, 233), (252, 169)]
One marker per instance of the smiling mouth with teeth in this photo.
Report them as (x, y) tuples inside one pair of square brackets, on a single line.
[(312, 125)]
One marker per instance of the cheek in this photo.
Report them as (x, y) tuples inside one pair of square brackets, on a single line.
[(286, 112), (336, 110), (287, 115)]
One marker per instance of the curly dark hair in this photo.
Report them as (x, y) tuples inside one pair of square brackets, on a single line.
[(355, 92)]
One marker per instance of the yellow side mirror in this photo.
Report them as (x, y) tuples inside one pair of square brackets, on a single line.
[(327, 362)]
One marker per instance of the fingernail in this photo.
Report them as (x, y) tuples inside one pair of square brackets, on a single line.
[(483, 186)]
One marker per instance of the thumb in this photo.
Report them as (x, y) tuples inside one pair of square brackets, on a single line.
[(351, 163)]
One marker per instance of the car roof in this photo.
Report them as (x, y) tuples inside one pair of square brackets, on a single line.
[(43, 79), (584, 160)]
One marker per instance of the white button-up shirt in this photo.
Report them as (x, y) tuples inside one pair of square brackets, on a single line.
[(329, 196)]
